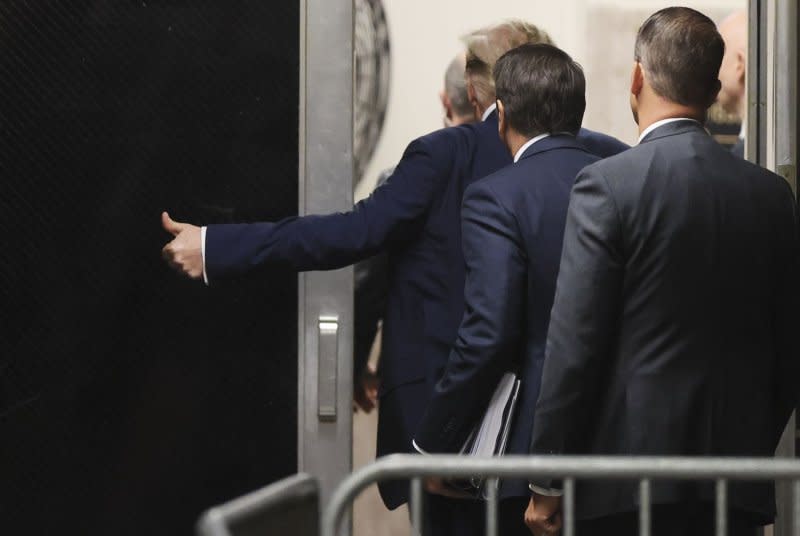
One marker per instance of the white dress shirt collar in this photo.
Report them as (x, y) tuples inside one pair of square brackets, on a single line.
[(663, 122), (530, 142), (489, 111)]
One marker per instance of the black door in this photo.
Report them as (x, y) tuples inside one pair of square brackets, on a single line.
[(131, 399)]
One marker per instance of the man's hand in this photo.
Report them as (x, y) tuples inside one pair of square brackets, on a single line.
[(365, 390), (543, 516), (184, 253)]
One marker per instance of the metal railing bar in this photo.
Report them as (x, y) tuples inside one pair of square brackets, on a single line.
[(568, 512), (400, 466), (581, 467), (295, 490), (722, 507), (645, 518), (491, 507), (417, 506)]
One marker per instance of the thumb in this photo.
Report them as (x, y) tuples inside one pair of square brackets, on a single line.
[(170, 225)]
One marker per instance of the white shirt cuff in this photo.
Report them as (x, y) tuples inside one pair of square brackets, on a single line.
[(203, 252), (416, 447), (545, 492)]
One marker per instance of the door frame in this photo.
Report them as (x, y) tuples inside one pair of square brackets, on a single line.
[(772, 142), (325, 299)]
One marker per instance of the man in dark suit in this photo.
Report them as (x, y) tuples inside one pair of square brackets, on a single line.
[(415, 217), (674, 326), (512, 230), (371, 275)]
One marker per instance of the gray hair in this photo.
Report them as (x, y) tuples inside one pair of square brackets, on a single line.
[(455, 86), (485, 46)]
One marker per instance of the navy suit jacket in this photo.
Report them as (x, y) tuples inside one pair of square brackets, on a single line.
[(371, 276), (415, 218), (512, 226)]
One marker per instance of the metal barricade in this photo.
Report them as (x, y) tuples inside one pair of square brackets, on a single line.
[(569, 469), (289, 506)]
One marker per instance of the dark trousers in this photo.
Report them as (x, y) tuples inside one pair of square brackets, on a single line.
[(399, 412), (669, 520), (456, 517), (451, 517)]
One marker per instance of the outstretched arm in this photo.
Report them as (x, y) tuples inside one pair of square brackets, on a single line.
[(394, 212)]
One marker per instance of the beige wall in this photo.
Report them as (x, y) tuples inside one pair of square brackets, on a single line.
[(597, 33)]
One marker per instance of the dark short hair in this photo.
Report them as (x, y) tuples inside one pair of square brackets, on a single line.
[(681, 52), (542, 90)]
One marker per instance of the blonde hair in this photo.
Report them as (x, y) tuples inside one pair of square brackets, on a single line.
[(485, 46)]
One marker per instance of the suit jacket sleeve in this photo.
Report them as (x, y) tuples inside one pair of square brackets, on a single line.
[(394, 212), (583, 321), (787, 305), (490, 332), (600, 144)]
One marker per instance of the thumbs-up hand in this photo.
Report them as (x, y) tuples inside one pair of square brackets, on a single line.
[(184, 252)]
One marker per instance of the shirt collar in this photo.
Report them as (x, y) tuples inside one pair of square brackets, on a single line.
[(663, 122), (530, 142), (489, 111)]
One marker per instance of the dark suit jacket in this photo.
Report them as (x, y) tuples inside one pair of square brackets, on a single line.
[(415, 217), (673, 330), (371, 275), (512, 228), (370, 288)]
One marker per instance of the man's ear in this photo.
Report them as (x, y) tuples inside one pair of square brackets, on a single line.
[(473, 99), (502, 124), (447, 105), (741, 67), (637, 79)]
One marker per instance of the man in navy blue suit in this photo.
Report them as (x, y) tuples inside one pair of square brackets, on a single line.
[(512, 229), (371, 281), (415, 217)]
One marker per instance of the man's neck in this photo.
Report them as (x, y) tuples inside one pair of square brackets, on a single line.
[(674, 111), (462, 120), (486, 112), (515, 141)]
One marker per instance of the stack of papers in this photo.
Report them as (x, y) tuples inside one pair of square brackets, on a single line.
[(492, 432), (490, 435)]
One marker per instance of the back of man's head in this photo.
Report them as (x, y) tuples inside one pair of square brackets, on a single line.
[(680, 51), (484, 48), (541, 90), (455, 89), (733, 70)]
